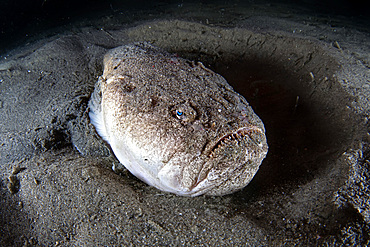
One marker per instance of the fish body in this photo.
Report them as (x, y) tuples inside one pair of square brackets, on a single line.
[(175, 124)]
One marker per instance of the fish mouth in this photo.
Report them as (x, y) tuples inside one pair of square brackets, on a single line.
[(234, 137)]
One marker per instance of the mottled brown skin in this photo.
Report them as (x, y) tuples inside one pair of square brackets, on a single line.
[(175, 124)]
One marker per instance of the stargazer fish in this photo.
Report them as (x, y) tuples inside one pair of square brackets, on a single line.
[(175, 124)]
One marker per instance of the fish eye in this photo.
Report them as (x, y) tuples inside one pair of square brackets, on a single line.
[(184, 112)]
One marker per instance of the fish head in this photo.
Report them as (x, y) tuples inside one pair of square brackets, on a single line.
[(178, 126)]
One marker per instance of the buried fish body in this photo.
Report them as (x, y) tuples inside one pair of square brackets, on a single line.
[(174, 124)]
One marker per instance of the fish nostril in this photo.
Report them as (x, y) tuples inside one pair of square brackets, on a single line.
[(231, 123), (210, 125)]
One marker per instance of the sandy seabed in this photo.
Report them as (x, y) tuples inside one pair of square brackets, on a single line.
[(307, 80)]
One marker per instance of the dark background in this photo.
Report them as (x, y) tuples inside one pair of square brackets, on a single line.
[(20, 20)]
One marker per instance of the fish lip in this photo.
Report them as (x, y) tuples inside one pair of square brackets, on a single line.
[(232, 136)]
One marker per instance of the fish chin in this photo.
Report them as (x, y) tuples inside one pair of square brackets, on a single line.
[(168, 178), (232, 162), (228, 165), (231, 167)]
